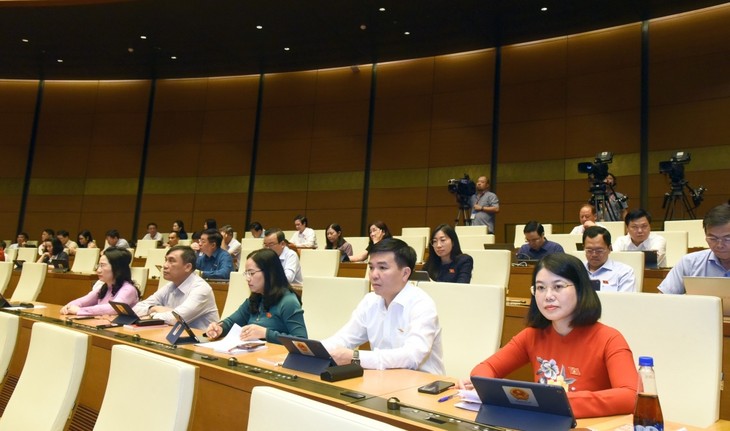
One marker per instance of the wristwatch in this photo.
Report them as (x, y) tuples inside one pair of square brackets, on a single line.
[(356, 357)]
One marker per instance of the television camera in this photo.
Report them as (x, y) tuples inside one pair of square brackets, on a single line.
[(463, 189), (601, 191), (674, 170)]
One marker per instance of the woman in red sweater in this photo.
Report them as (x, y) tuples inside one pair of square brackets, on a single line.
[(566, 345)]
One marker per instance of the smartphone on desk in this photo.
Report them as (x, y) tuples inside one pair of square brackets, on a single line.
[(436, 387)]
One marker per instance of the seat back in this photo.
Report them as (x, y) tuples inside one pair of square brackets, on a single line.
[(418, 242), (164, 405), (155, 256), (684, 336), (6, 270), (416, 231), (274, 409), (694, 229), (676, 245), (475, 242), (566, 240), (27, 254), (491, 267), (9, 324), (244, 254), (85, 260), (520, 236), (11, 254), (143, 245), (319, 263), (615, 228), (252, 243), (328, 302), (30, 283), (359, 243), (482, 333), (471, 230), (238, 292), (50, 380), (321, 236), (139, 276)]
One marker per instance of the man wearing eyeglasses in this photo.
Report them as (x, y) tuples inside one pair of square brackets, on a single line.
[(714, 262), (638, 224), (613, 276), (275, 240), (537, 246)]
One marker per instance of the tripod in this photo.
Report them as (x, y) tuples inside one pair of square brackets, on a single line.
[(600, 200), (677, 194), (464, 211)]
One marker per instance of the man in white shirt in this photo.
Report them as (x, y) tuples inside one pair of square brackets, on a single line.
[(638, 224), (231, 244), (69, 246), (613, 276), (304, 237), (187, 294), (20, 241), (398, 319), (275, 240), (47, 234), (587, 217), (152, 232)]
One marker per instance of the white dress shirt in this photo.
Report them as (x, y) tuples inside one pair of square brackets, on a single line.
[(290, 261), (305, 238), (654, 242), (407, 334), (614, 277), (234, 249)]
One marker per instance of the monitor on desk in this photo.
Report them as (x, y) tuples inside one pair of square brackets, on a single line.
[(710, 286)]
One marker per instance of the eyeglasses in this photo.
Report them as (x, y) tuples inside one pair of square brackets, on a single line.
[(250, 272), (596, 251), (541, 290), (639, 227), (713, 240)]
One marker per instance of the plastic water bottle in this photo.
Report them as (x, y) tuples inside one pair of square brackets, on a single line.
[(648, 411)]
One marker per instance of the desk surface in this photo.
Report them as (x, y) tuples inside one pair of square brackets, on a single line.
[(219, 379)]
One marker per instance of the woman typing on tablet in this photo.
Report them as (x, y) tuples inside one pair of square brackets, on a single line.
[(272, 309), (566, 345), (115, 284)]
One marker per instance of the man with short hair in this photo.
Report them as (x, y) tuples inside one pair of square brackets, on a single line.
[(398, 319), (614, 276), (484, 205), (152, 232), (639, 237), (47, 234), (172, 239), (69, 246), (231, 245), (275, 240), (256, 229), (587, 217), (304, 237), (113, 239), (213, 261), (188, 295), (537, 245), (714, 262), (20, 241)]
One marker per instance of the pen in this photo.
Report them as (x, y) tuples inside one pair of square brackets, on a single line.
[(448, 397)]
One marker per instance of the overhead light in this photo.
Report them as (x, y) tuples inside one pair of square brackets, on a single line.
[(544, 9), (286, 48), (24, 40), (407, 33), (60, 60), (382, 9), (259, 27), (173, 57), (143, 37)]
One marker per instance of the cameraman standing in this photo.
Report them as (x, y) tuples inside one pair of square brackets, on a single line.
[(484, 204), (616, 202)]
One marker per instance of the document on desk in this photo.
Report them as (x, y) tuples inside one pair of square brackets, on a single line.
[(469, 400), (232, 343)]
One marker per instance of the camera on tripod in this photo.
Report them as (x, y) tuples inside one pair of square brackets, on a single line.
[(674, 169), (463, 188), (598, 169)]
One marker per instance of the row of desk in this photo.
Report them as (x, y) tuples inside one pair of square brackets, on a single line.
[(224, 390)]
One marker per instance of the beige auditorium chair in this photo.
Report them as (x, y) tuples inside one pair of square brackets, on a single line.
[(359, 243), (321, 236), (319, 263), (676, 245), (140, 276), (85, 260), (10, 254), (27, 254), (165, 405), (6, 270), (274, 409), (31, 281), (615, 228), (566, 240), (471, 230), (418, 242), (694, 229), (634, 259), (49, 383), (9, 324), (244, 256), (475, 242), (416, 231), (470, 315), (238, 292), (328, 302), (252, 243), (683, 333), (155, 257), (520, 236), (491, 267), (185, 242), (143, 245)]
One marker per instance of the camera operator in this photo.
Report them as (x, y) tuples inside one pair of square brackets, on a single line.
[(484, 205), (617, 202)]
